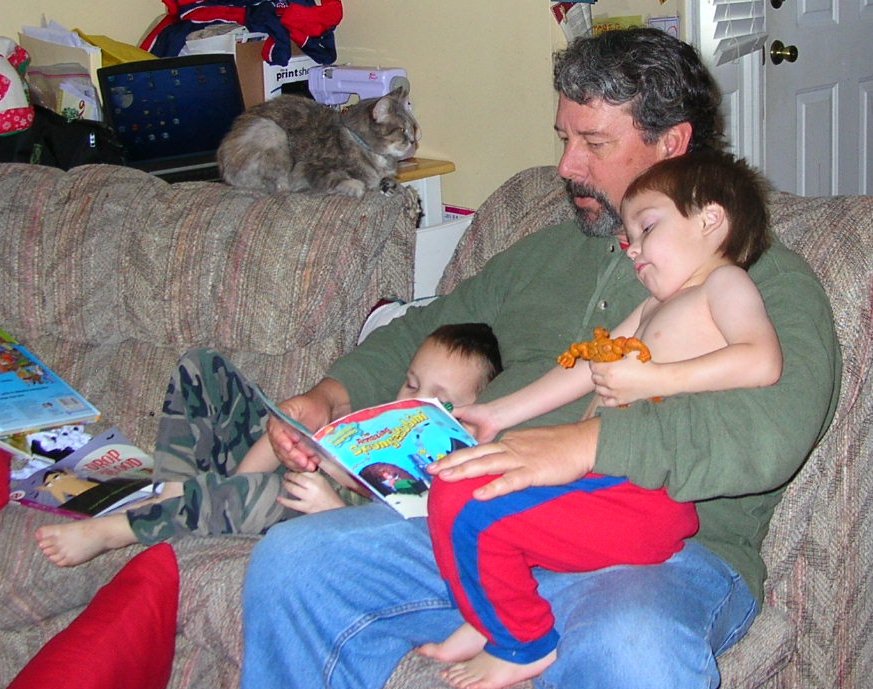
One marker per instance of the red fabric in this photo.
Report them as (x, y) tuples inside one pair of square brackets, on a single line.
[(5, 469), (171, 18), (303, 22), (579, 531), (126, 637), (149, 41)]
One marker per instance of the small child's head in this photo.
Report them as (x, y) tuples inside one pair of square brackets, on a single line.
[(454, 364), (698, 180)]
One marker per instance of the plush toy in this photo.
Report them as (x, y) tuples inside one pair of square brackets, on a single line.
[(16, 112)]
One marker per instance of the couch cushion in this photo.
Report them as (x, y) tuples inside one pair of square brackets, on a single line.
[(118, 272), (126, 633)]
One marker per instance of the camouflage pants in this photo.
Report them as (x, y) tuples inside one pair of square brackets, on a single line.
[(211, 418)]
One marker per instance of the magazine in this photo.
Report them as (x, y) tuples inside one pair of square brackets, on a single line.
[(33, 396), (382, 451), (102, 476)]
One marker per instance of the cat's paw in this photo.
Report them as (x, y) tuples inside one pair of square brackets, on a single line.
[(350, 187), (388, 186)]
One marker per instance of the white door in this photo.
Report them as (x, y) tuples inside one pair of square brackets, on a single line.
[(818, 109)]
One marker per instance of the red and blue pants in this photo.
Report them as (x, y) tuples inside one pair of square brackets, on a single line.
[(486, 549)]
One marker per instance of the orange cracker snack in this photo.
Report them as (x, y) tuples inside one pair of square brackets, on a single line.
[(602, 348)]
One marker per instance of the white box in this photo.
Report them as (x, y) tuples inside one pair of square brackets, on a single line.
[(434, 247), (261, 81), (275, 76)]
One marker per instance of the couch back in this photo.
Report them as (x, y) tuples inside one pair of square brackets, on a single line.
[(111, 273), (820, 545)]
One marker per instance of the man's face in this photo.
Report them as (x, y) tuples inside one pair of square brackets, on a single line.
[(603, 152)]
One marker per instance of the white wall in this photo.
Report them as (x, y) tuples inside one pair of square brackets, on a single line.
[(480, 79), (123, 20)]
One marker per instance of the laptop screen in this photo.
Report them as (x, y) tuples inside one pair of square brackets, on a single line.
[(171, 114)]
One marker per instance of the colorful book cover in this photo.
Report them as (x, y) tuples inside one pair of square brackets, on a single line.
[(32, 396), (103, 475), (385, 449)]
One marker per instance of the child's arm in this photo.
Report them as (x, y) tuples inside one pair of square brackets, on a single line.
[(259, 458), (557, 387), (309, 492), (751, 358)]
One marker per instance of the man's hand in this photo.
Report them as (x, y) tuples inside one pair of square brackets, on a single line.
[(326, 401), (548, 456)]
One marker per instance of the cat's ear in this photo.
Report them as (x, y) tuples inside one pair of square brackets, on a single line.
[(382, 109), (400, 88)]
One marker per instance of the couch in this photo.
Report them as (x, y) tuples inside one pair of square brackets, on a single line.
[(112, 274)]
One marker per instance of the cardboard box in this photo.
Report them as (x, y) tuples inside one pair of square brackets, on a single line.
[(261, 81)]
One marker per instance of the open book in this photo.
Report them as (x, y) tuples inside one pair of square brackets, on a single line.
[(32, 396), (382, 451), (100, 477)]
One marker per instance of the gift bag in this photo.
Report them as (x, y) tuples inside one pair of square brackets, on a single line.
[(16, 113)]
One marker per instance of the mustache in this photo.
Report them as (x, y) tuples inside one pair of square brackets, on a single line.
[(606, 223)]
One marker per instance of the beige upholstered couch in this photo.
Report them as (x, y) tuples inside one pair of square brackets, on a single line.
[(109, 275)]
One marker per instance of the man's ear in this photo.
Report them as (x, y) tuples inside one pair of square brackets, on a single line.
[(713, 217), (676, 140)]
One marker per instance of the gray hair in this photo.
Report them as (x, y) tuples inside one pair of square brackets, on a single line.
[(662, 78)]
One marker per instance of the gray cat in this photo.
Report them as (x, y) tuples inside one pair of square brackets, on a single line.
[(292, 143)]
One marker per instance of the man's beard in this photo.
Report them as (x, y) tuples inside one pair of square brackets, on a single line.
[(607, 223)]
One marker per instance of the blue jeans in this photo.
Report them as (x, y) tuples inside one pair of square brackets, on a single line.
[(336, 599)]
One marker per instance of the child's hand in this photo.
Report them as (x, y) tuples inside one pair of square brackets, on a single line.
[(308, 492), (480, 420), (625, 381)]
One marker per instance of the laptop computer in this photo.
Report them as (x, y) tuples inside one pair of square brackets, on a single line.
[(170, 114)]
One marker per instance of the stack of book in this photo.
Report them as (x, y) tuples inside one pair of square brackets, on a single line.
[(32, 396), (85, 480)]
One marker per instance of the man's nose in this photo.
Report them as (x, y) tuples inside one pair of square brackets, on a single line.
[(574, 163)]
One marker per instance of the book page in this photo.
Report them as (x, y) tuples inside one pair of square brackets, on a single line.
[(384, 449), (389, 446)]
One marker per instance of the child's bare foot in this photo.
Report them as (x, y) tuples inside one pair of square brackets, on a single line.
[(462, 644), (76, 542), (485, 671)]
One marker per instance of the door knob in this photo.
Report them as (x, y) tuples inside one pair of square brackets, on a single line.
[(779, 51)]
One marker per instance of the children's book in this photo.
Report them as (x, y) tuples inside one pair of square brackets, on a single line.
[(102, 476), (32, 396), (382, 451)]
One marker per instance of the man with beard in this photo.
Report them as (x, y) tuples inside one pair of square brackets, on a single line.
[(339, 598)]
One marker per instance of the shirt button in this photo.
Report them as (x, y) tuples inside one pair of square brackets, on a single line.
[(612, 248), (603, 305)]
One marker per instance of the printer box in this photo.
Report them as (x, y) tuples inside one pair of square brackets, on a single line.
[(261, 81)]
